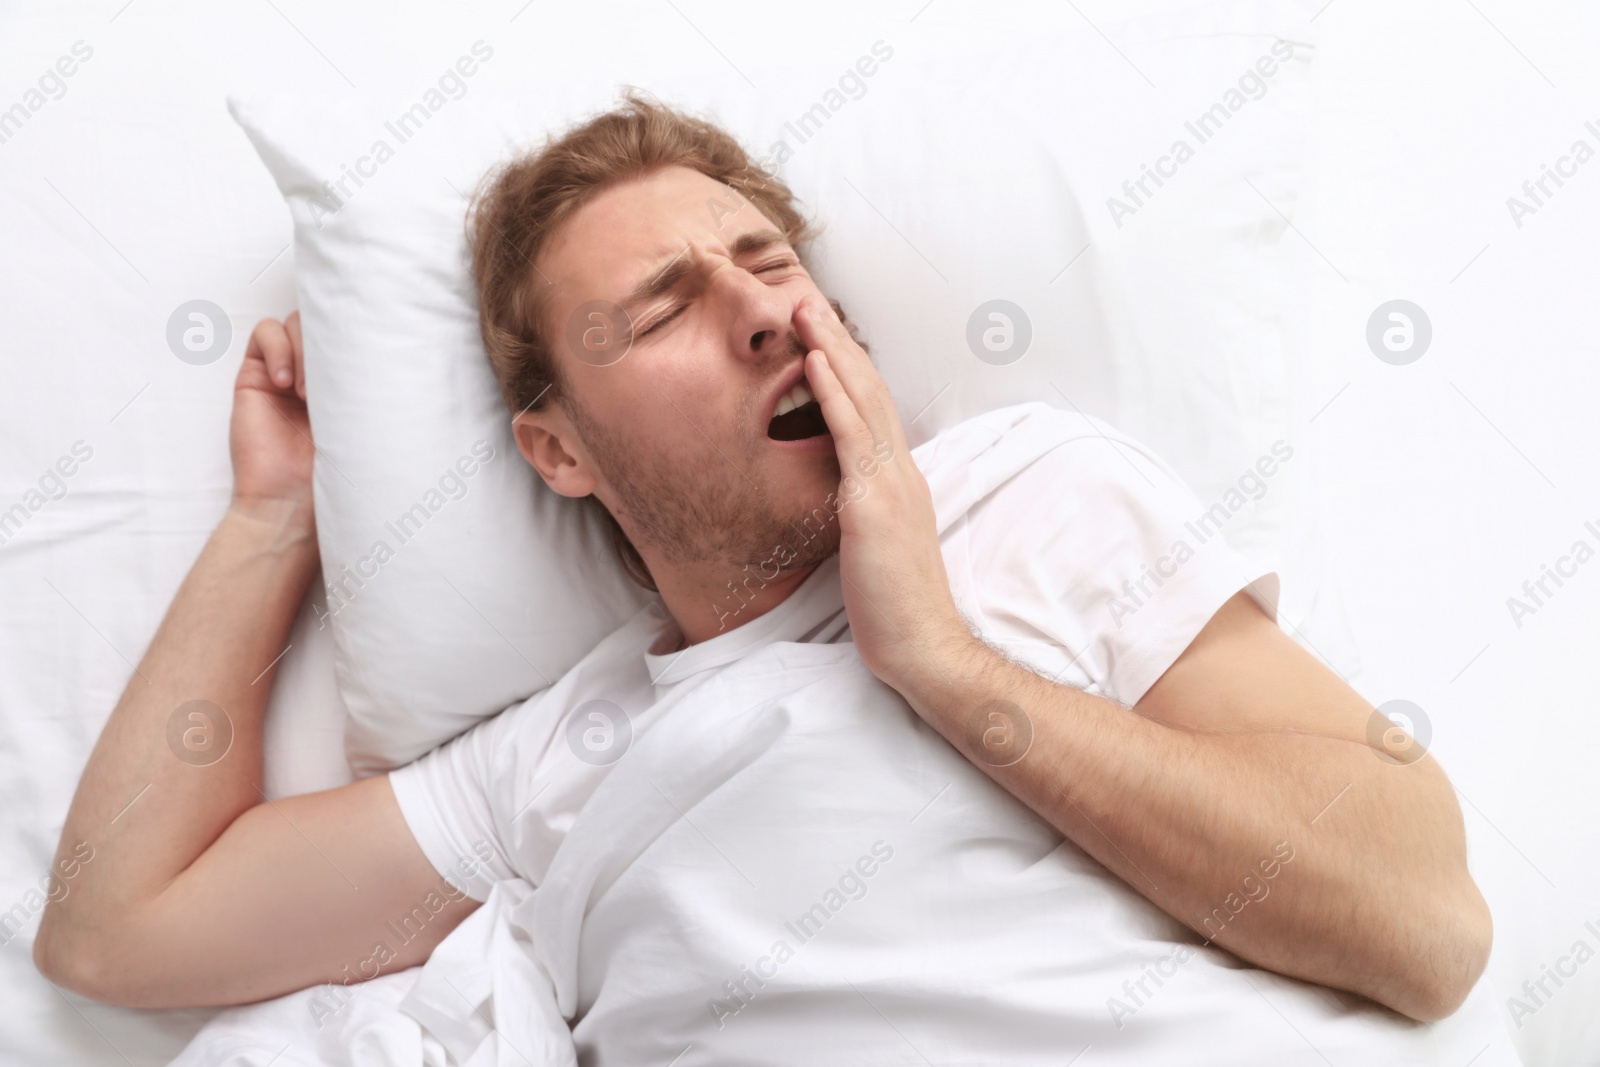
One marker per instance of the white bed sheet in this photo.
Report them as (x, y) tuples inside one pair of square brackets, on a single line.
[(1458, 476)]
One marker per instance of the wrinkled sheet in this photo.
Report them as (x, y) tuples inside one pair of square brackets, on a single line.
[(713, 904)]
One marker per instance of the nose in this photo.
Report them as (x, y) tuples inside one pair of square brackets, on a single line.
[(760, 318)]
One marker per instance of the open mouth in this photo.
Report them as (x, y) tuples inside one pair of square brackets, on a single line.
[(798, 416)]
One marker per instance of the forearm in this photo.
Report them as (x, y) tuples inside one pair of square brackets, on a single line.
[(155, 793), (1368, 900)]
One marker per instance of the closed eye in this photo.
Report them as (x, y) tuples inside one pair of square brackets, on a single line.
[(656, 325), (663, 320)]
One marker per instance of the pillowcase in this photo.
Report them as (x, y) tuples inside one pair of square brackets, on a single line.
[(1005, 227)]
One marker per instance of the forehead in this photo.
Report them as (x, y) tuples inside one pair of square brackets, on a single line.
[(635, 228)]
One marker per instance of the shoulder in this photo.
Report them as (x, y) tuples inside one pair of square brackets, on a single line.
[(1077, 546), (1035, 468)]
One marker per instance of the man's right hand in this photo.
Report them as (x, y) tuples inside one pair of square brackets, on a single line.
[(270, 435), (176, 883)]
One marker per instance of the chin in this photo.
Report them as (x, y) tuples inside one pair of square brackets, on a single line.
[(822, 541)]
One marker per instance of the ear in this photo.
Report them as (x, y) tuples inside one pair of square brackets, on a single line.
[(549, 443)]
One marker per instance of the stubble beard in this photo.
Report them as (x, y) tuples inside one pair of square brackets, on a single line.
[(700, 509)]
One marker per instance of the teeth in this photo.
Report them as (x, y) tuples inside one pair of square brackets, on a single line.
[(799, 396)]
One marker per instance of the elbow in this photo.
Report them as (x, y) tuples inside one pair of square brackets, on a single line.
[(61, 963), (1453, 967), (114, 960), (71, 961)]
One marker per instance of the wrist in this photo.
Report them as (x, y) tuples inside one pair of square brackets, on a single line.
[(283, 525)]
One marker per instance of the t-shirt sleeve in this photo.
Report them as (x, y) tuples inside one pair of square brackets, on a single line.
[(446, 799), (1097, 564)]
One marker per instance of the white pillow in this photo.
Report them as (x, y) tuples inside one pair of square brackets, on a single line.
[(942, 187)]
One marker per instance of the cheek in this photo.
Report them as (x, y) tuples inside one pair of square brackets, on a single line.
[(699, 387)]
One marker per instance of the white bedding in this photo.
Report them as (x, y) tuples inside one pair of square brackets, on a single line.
[(131, 191)]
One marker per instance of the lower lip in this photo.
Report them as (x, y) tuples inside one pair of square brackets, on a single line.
[(818, 445)]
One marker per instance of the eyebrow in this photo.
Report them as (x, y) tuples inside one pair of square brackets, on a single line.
[(668, 277)]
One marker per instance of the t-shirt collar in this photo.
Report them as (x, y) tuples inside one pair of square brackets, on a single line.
[(813, 612)]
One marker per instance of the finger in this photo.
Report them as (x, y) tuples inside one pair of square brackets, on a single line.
[(852, 437), (858, 377), (270, 343), (297, 349), (820, 328)]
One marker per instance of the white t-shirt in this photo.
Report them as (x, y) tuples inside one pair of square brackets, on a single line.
[(1058, 566), (1073, 550)]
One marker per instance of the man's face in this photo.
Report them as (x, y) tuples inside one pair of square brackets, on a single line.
[(673, 437)]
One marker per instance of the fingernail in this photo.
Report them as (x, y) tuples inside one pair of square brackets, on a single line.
[(283, 377)]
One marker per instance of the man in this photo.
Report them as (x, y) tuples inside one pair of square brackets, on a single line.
[(760, 480)]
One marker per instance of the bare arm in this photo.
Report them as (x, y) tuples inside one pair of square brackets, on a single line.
[(1245, 801), (195, 889), (1244, 743)]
